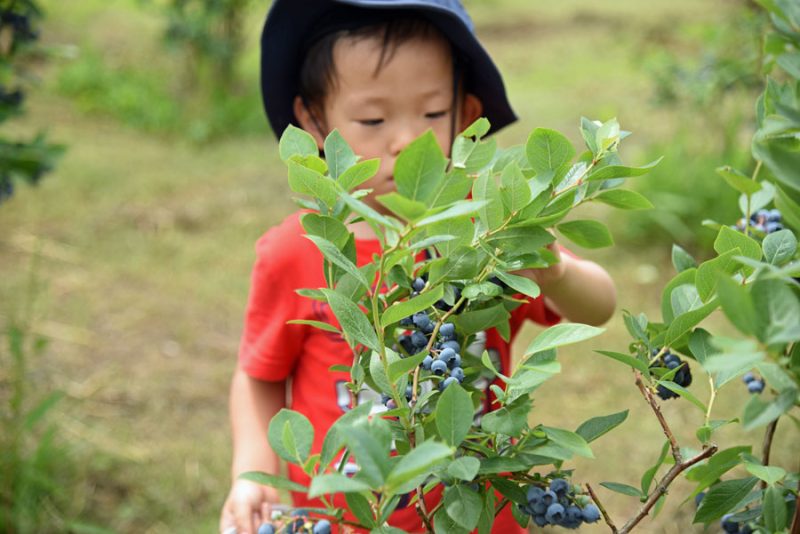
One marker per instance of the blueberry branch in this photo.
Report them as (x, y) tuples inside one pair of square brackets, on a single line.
[(663, 484), (648, 395), (606, 517), (766, 446)]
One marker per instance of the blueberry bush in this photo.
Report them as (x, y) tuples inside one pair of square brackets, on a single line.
[(24, 160), (415, 315)]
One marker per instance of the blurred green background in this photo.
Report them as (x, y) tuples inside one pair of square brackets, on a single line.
[(132, 259)]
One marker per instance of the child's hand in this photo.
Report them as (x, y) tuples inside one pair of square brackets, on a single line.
[(548, 276), (247, 506)]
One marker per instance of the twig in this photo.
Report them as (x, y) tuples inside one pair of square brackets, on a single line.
[(766, 447), (663, 484), (607, 517), (648, 395), (422, 511), (796, 521)]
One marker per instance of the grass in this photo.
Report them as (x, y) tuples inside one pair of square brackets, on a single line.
[(146, 242)]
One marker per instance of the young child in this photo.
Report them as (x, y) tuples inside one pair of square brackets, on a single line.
[(382, 73)]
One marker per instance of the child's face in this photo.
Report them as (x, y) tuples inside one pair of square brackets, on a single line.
[(379, 113)]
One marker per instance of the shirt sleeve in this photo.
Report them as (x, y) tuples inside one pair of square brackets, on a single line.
[(269, 347)]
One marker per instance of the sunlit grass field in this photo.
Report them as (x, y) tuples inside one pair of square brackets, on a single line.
[(140, 246)]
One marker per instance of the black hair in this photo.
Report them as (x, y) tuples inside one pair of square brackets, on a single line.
[(318, 71)]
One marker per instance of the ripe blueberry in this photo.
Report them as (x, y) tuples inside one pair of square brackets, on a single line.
[(728, 525), (447, 354), (748, 377), (447, 330), (438, 367), (454, 362), (559, 486), (555, 513), (755, 386), (458, 374), (323, 526), (534, 494), (266, 528), (591, 513), (447, 381), (427, 362), (418, 285), (451, 344), (549, 498), (419, 340)]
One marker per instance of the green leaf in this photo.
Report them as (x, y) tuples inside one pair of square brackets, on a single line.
[(481, 156), (454, 415), (290, 435), (359, 505), (459, 209), (759, 413), (722, 498), (326, 227), (369, 213), (272, 481), (729, 239), (463, 263), (710, 272), (359, 173), (475, 321), (769, 474), (586, 233), (681, 259), (317, 324), (595, 427), (778, 311), (568, 440), (419, 168), (515, 190), (647, 477), (335, 483), (737, 305), (338, 154), (683, 392), (464, 468), (379, 373), (700, 345), (624, 489), (372, 454), (707, 474), (775, 376), (560, 335), (548, 150), (355, 324), (774, 508), (455, 186), (460, 227), (335, 256), (683, 277), (683, 323), (741, 182), (779, 247), (626, 359), (402, 366), (404, 208), (423, 301), (524, 285), (620, 171), (477, 129), (790, 210), (442, 522), (416, 465), (463, 505), (334, 439), (510, 420), (485, 189), (305, 181), (624, 199), (296, 142), (589, 132)]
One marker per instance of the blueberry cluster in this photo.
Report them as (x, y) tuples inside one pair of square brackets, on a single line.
[(391, 404), (445, 358), (298, 522), (764, 221), (683, 377), (558, 505), (733, 527), (754, 385)]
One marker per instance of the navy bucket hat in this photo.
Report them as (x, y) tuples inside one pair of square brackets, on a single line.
[(290, 23)]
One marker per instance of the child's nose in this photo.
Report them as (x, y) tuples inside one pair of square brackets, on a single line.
[(403, 136)]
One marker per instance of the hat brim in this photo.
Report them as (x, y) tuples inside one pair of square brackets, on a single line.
[(289, 22)]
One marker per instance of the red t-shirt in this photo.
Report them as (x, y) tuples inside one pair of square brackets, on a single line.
[(272, 350)]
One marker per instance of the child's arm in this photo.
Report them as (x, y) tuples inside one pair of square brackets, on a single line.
[(253, 403), (579, 290)]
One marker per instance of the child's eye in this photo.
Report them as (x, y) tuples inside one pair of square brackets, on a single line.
[(436, 114), (370, 122)]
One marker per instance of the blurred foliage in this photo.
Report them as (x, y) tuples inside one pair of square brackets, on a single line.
[(704, 76), (24, 160), (209, 34)]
